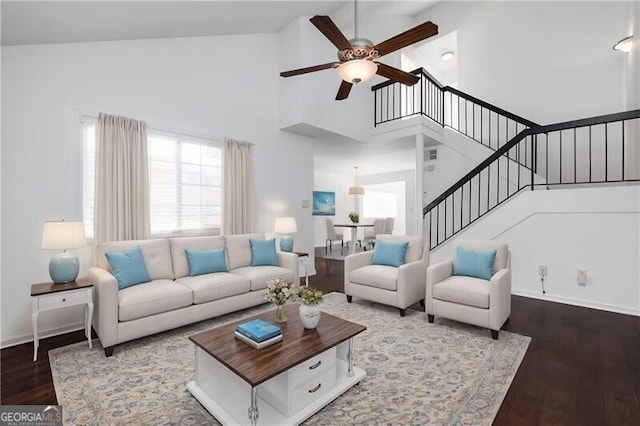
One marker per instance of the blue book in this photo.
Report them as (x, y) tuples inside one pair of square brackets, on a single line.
[(258, 330)]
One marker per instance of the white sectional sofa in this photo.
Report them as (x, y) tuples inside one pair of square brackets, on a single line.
[(173, 298)]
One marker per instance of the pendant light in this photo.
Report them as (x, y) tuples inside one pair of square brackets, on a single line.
[(356, 190)]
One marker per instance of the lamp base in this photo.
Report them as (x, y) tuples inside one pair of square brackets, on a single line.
[(286, 243), (64, 268)]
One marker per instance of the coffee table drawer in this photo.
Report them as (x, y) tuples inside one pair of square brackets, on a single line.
[(313, 389), (302, 372)]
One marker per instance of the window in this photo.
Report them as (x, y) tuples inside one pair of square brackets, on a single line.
[(185, 183)]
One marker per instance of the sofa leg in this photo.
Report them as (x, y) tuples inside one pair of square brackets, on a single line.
[(494, 334), (430, 318), (349, 298), (108, 351), (422, 303), (403, 312)]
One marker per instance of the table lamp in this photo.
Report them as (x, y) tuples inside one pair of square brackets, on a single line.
[(285, 226), (63, 266)]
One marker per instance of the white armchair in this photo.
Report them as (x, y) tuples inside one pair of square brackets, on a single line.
[(485, 303), (395, 286)]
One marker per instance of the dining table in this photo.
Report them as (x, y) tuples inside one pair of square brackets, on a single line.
[(354, 230)]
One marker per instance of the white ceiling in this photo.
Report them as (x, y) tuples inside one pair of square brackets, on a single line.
[(40, 22)]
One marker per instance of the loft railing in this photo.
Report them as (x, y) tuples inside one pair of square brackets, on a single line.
[(603, 149), (395, 101), (488, 124)]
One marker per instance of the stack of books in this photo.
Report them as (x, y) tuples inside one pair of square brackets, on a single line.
[(258, 333)]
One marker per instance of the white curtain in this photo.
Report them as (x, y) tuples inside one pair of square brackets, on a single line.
[(237, 200), (122, 180)]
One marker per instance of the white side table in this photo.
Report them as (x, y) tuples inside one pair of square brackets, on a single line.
[(304, 261), (49, 296)]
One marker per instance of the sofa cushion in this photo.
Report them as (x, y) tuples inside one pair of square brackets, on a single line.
[(474, 263), (180, 244), (263, 252), (128, 267), (215, 286), (156, 254), (463, 290), (206, 261), (414, 249), (152, 298), (259, 275), (239, 249), (380, 276), (391, 254)]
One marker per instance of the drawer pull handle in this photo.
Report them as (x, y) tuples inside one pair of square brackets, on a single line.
[(64, 300), (316, 388), (316, 365)]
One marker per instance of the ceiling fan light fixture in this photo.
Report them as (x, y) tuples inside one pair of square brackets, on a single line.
[(447, 56), (357, 70), (624, 45)]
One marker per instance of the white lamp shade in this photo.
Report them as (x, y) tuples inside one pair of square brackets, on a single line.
[(357, 70), (63, 235), (285, 225)]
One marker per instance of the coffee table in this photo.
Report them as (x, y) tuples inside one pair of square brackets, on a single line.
[(282, 384)]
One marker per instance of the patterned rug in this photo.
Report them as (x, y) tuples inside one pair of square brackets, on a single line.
[(417, 373)]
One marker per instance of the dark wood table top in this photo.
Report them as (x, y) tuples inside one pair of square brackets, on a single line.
[(298, 344), (353, 225), (47, 288)]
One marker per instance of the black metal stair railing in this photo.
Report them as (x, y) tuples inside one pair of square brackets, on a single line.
[(603, 149), (481, 121)]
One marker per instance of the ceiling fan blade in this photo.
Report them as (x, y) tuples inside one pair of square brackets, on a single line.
[(309, 69), (330, 31), (397, 75), (343, 91), (414, 35)]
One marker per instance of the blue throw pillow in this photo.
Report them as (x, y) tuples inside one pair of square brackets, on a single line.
[(391, 254), (478, 264), (206, 261), (128, 267), (263, 252)]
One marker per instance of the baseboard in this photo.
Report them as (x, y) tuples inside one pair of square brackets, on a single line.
[(577, 302), (43, 334)]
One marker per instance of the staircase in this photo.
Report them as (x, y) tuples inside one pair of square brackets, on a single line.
[(526, 156)]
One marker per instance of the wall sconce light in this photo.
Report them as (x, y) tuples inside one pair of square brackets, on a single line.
[(624, 45)]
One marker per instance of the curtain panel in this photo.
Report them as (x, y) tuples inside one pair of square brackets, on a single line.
[(122, 180), (238, 187)]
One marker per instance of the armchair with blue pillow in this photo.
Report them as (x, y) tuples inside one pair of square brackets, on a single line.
[(394, 273), (474, 287)]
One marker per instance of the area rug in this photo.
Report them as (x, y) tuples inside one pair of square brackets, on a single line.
[(417, 373)]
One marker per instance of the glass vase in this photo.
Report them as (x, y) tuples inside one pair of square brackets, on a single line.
[(281, 314)]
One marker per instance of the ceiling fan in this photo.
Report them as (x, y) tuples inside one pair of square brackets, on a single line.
[(357, 57)]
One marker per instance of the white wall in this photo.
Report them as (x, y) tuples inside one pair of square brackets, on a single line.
[(546, 61), (197, 85), (338, 183), (594, 229)]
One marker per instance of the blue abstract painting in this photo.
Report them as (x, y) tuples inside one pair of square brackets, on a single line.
[(324, 203)]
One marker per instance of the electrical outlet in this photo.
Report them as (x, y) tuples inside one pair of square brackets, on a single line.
[(582, 276), (542, 270)]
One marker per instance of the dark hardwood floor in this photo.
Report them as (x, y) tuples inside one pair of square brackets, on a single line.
[(582, 366)]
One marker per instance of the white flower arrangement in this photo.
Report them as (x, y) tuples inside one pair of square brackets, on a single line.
[(279, 291)]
